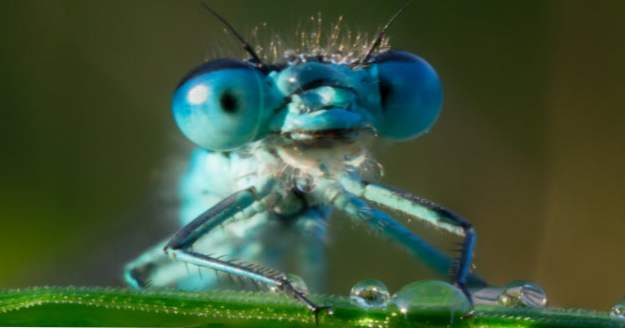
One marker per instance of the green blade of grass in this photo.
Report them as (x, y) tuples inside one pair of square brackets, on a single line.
[(69, 306)]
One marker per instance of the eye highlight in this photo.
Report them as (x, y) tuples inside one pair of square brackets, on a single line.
[(410, 95), (197, 95), (222, 104)]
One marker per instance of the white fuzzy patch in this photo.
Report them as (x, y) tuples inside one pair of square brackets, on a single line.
[(197, 94)]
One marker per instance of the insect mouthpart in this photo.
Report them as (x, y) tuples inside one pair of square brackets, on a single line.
[(322, 111), (342, 135)]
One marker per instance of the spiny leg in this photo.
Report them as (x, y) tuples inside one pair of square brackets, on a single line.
[(383, 224), (155, 269), (387, 226), (240, 205), (431, 213)]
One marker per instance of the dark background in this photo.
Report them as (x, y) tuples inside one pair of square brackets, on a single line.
[(530, 145)]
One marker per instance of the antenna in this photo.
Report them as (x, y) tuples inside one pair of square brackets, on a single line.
[(378, 40), (246, 46)]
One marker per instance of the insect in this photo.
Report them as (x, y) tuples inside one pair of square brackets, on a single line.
[(283, 144)]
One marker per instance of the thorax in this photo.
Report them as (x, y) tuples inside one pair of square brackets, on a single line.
[(292, 172)]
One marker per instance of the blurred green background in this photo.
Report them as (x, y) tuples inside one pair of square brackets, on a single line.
[(530, 145)]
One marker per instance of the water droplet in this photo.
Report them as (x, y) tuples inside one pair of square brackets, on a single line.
[(297, 282), (370, 293), (523, 293), (618, 310), (435, 296), (486, 295)]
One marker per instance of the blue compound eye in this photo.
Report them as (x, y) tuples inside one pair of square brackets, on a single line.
[(410, 95), (221, 104)]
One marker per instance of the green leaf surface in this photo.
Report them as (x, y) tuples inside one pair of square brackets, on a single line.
[(69, 306)]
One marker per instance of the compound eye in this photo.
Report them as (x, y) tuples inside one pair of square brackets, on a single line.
[(220, 105), (410, 95)]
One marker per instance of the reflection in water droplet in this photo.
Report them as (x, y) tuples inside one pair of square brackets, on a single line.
[(486, 295), (523, 293), (432, 296), (370, 293), (297, 282), (618, 310)]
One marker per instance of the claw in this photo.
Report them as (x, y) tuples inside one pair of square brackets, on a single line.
[(287, 287), (317, 312), (471, 313)]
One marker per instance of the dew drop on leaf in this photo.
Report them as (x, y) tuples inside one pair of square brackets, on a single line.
[(523, 294), (433, 295), (369, 294), (618, 310)]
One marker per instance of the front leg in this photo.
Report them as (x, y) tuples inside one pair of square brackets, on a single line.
[(241, 205), (429, 212)]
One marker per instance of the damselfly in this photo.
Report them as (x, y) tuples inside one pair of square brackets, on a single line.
[(282, 140)]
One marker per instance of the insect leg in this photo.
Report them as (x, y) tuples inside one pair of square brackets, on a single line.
[(242, 204), (431, 213), (310, 246), (153, 269)]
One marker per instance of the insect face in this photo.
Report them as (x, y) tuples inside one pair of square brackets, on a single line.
[(225, 104)]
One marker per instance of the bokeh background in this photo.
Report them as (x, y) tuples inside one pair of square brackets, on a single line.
[(530, 146)]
